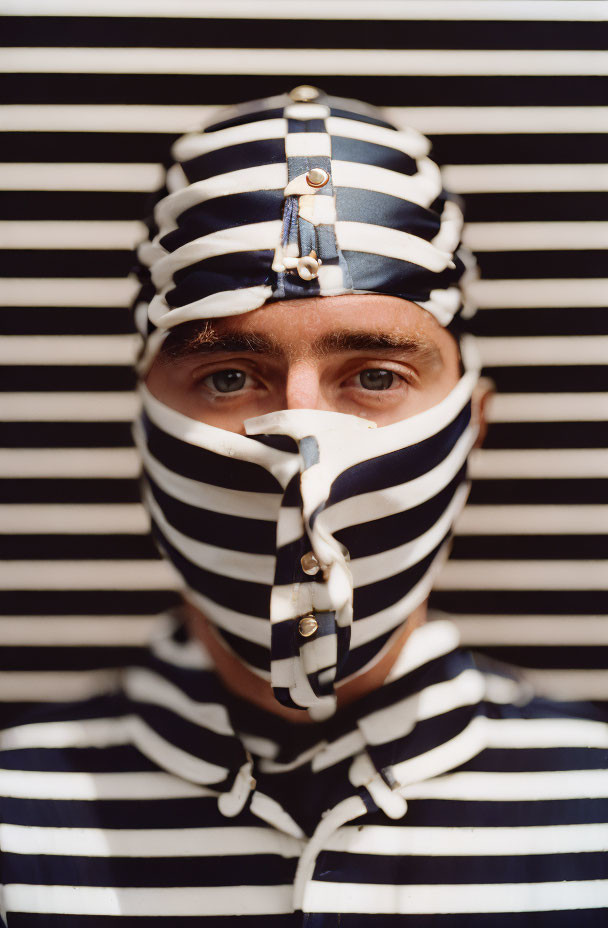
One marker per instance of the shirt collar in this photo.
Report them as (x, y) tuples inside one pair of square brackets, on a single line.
[(424, 721)]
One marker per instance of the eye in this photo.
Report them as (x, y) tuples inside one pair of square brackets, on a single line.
[(376, 379), (227, 381)]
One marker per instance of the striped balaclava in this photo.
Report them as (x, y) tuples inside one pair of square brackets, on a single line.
[(306, 542)]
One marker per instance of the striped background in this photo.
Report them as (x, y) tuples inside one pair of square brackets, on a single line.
[(513, 96)]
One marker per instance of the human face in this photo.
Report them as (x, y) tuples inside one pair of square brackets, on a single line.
[(378, 357)]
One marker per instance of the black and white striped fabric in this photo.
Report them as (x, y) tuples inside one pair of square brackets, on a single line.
[(240, 516), (295, 196), (511, 95), (449, 798)]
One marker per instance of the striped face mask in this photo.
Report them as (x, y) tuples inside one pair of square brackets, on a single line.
[(308, 541)]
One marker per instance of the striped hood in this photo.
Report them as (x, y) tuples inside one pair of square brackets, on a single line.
[(297, 196), (311, 539)]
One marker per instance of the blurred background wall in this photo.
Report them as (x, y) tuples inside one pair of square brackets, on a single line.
[(513, 96)]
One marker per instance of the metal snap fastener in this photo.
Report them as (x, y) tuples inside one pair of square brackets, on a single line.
[(308, 625), (304, 93), (308, 267), (317, 177), (310, 564)]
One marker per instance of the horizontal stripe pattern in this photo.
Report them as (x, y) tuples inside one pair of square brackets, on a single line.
[(489, 151), (515, 823)]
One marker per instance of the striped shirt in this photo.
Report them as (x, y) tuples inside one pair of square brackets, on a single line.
[(449, 795)]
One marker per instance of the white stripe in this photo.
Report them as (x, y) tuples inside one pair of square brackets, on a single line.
[(533, 519), (546, 733), (384, 898), (296, 61), (257, 235), (200, 143), (494, 841), (488, 464), (521, 351), (77, 630), (548, 407), (422, 187), (301, 144), (435, 120), (102, 118), (108, 463), (574, 685), (512, 787), (76, 234), (145, 686), (70, 734), (69, 407), (524, 178), (69, 349), (45, 784), (84, 177), (523, 575), (386, 725), (88, 575), (509, 10), (187, 900), (55, 685), (121, 349), (148, 842), (532, 630), (499, 120), (381, 240), (172, 758), (68, 291), (535, 236), (74, 519), (539, 293), (488, 294)]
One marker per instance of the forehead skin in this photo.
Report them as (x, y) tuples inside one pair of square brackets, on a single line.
[(302, 336), (307, 327)]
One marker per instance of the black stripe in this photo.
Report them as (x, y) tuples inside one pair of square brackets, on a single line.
[(125, 32), (207, 466), (431, 90), (224, 212), (397, 467), (389, 532), (361, 152), (384, 210), (234, 533), (242, 596)]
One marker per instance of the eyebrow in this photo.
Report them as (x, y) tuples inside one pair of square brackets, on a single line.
[(208, 341)]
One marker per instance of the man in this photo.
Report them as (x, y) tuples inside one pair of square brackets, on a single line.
[(301, 748)]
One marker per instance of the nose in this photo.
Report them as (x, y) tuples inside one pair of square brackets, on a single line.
[(303, 388)]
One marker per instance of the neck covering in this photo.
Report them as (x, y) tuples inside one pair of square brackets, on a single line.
[(310, 539)]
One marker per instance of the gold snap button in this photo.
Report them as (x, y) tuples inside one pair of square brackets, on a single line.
[(310, 564), (308, 267), (308, 625), (317, 177), (304, 93)]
